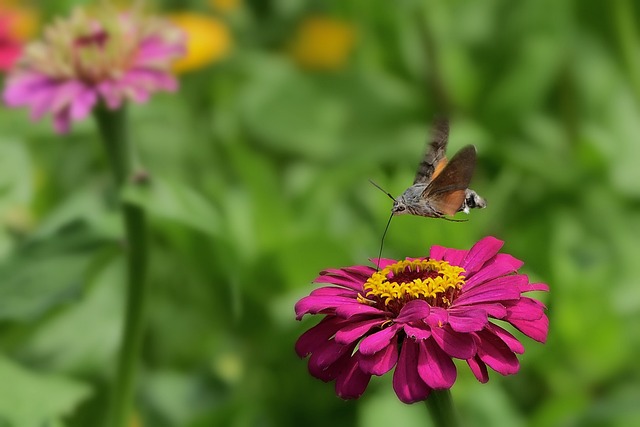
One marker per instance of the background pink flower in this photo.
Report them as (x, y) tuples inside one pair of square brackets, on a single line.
[(85, 59), (417, 315)]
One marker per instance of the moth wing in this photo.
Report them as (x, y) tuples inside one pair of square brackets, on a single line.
[(434, 159), (446, 192)]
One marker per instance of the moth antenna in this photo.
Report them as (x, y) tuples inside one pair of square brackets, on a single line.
[(382, 241), (383, 190)]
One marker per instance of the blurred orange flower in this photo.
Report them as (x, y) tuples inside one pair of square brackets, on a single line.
[(208, 40), (323, 43), (225, 5), (17, 24)]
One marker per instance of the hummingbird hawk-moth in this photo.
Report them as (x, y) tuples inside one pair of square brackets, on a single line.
[(440, 187)]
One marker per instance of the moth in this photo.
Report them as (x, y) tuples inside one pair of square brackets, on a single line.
[(440, 188)]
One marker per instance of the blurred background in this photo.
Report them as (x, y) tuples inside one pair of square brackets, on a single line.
[(259, 171)]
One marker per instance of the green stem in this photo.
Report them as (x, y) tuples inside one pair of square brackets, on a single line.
[(113, 128), (440, 407)]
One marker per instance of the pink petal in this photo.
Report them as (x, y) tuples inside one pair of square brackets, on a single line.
[(416, 333), (331, 371), (83, 104), (381, 362), (407, 384), (355, 308), (455, 256), (536, 329), (525, 309), (317, 336), (320, 304), (468, 320), (481, 252), (435, 368), (461, 346), (500, 289), (19, 90), (529, 287), (511, 341), (437, 252), (479, 369), (328, 354), (413, 311), (500, 265), (437, 317), (353, 331), (360, 272), (384, 262), (327, 291), (111, 93), (351, 382), (495, 353), (378, 341)]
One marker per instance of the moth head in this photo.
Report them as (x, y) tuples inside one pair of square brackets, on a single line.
[(399, 207)]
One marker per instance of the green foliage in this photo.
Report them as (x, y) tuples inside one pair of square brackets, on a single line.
[(258, 179)]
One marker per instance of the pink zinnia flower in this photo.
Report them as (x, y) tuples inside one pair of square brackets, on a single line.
[(83, 60), (417, 315)]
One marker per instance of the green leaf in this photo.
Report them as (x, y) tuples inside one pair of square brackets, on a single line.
[(15, 175), (173, 201), (45, 273), (29, 399)]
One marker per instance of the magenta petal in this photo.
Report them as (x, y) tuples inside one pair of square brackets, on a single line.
[(437, 252), (318, 335), (496, 354), (468, 319), (355, 308), (413, 311), (384, 262), (511, 341), (536, 329), (525, 309), (329, 372), (378, 341), (455, 256), (500, 265), (328, 354), (351, 382), (360, 272), (459, 345), (500, 289), (438, 317), (435, 368), (416, 333), (334, 291), (529, 287), (317, 304), (381, 362), (407, 384), (353, 331), (481, 252), (479, 369)]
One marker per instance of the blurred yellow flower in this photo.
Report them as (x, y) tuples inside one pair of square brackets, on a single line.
[(225, 5), (208, 40), (323, 43)]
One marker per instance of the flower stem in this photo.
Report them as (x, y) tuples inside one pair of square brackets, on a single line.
[(113, 128), (440, 407)]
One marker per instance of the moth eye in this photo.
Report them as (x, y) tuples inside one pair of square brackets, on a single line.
[(400, 208)]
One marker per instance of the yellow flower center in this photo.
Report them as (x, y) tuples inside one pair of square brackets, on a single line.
[(436, 282)]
